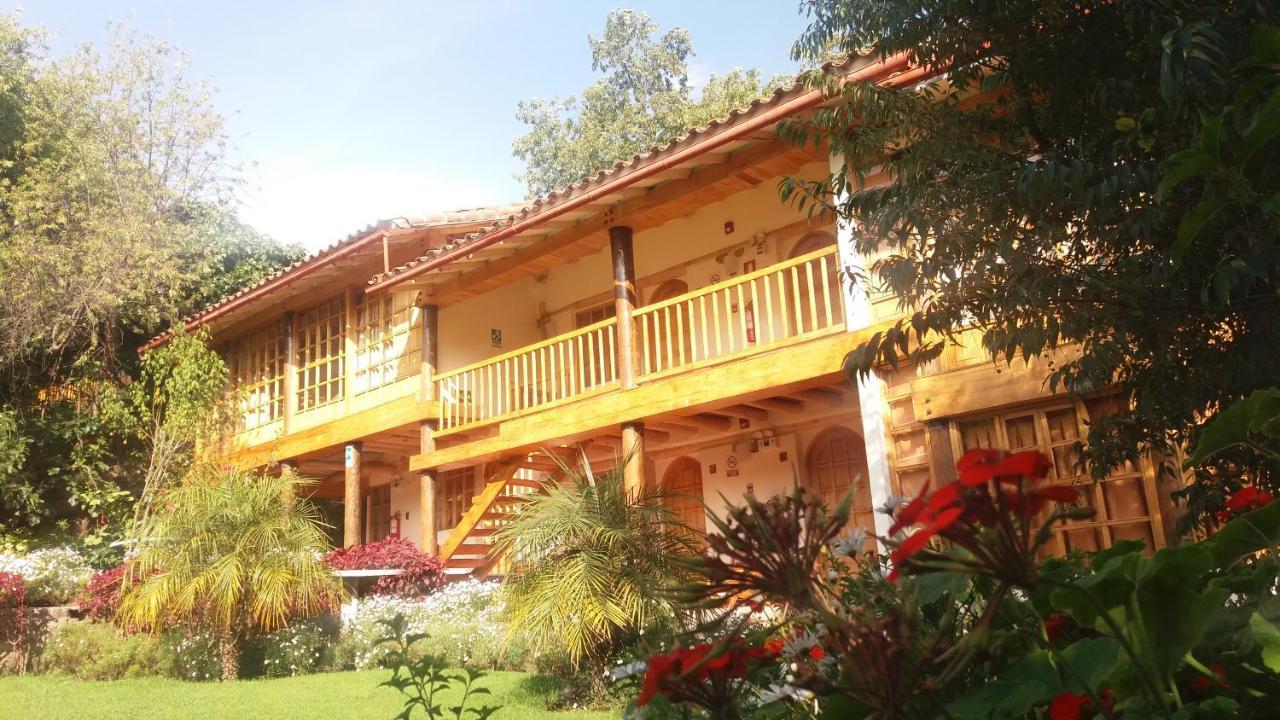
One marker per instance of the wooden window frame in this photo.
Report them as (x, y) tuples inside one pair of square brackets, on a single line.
[(321, 355), (386, 347), (257, 366)]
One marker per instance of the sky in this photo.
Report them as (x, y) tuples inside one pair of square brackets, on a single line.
[(343, 113)]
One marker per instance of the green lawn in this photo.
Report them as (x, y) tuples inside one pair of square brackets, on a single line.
[(325, 696)]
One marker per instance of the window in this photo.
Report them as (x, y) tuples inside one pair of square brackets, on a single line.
[(908, 441), (837, 462), (320, 355), (668, 333), (256, 364), (379, 513), (815, 294), (387, 348), (593, 315), (682, 487), (1122, 502)]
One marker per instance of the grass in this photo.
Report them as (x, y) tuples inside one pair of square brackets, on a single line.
[(325, 696)]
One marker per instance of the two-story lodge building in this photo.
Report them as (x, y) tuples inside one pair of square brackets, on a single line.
[(429, 372)]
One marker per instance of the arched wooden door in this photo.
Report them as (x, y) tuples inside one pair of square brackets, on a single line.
[(670, 336), (837, 461), (682, 494), (812, 313)]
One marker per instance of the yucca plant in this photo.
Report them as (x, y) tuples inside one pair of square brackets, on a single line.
[(232, 552), (592, 562)]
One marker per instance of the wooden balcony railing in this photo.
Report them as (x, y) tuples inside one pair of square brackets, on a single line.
[(790, 301), (768, 308), (562, 368)]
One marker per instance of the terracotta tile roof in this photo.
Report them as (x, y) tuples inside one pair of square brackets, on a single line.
[(757, 107), (322, 256)]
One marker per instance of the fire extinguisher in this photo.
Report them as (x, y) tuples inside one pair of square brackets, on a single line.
[(749, 319), (395, 527)]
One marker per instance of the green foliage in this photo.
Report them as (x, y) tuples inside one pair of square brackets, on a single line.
[(1253, 422), (101, 651), (115, 218), (1115, 191), (232, 553), (1181, 633), (644, 99), (304, 646), (592, 562), (421, 678)]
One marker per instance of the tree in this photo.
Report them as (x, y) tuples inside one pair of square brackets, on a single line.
[(233, 552), (116, 218), (644, 99), (1113, 188), (591, 560)]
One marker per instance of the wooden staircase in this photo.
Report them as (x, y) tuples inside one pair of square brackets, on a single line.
[(468, 551)]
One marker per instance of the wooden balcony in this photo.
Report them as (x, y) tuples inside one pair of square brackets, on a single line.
[(778, 325)]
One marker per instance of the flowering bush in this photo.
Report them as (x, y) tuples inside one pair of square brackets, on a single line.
[(463, 624), (298, 649), (422, 573), (100, 651), (964, 621), (53, 575), (100, 598)]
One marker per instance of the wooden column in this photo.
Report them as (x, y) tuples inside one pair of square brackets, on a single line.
[(352, 503), (289, 384), (942, 463), (427, 511), (624, 298), (430, 348), (427, 429), (289, 469), (633, 455)]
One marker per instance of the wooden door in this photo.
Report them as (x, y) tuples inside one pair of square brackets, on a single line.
[(810, 314), (837, 461), (682, 488)]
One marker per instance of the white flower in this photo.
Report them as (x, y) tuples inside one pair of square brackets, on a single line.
[(628, 670), (851, 544), (776, 692)]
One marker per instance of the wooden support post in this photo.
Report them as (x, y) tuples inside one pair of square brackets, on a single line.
[(289, 384), (430, 349), (633, 456), (427, 511), (942, 463), (624, 297), (289, 471), (352, 507)]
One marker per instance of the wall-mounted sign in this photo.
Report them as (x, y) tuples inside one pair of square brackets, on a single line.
[(350, 457), (731, 473), (495, 337), (731, 462)]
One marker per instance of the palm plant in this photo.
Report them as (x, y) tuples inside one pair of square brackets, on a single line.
[(232, 552), (591, 562)]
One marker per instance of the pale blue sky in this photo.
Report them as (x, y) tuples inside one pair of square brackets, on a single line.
[(346, 112)]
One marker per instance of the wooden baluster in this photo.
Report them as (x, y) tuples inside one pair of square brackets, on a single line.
[(715, 319), (742, 318), (680, 311), (797, 311), (703, 326), (813, 300), (826, 291), (574, 386), (768, 309), (594, 367), (611, 334), (666, 337), (646, 364)]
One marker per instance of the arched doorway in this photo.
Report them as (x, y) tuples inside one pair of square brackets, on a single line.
[(670, 336), (837, 461), (823, 309), (682, 494)]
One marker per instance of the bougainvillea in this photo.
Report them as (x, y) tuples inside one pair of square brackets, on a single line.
[(421, 573)]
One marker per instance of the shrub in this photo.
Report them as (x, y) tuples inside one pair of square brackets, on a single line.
[(13, 591), (301, 648), (191, 653), (100, 598), (463, 624), (53, 575), (100, 651), (422, 573)]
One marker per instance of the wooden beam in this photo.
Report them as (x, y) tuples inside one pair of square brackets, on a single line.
[(633, 457), (781, 404), (824, 396), (746, 411), (714, 423), (401, 411)]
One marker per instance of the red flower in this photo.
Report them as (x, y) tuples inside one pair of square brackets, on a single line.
[(1057, 625), (660, 666), (1069, 706), (773, 646), (817, 653), (1247, 498), (1202, 683), (681, 673)]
